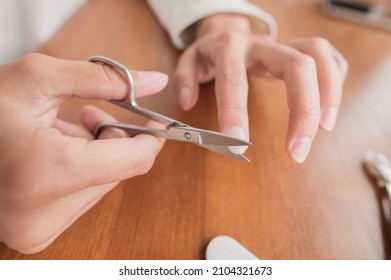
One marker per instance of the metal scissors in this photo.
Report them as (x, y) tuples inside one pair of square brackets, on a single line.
[(175, 130)]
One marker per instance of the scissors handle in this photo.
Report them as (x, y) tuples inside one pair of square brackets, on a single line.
[(130, 102), (131, 130)]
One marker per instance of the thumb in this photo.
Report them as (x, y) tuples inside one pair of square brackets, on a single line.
[(95, 80), (67, 78)]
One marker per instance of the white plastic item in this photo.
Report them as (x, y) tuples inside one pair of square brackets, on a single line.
[(226, 248)]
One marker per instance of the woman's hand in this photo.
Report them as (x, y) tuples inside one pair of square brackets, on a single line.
[(52, 171), (226, 50)]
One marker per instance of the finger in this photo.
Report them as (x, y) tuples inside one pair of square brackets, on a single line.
[(120, 158), (185, 79), (66, 78), (90, 163), (92, 80), (300, 76), (342, 63), (71, 129), (91, 116), (141, 149), (330, 77), (232, 91)]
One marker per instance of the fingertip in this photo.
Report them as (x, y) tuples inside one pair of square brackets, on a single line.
[(187, 99), (186, 79), (184, 97), (299, 148), (329, 118), (239, 150), (149, 82), (239, 133)]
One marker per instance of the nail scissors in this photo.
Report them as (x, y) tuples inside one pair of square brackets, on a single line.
[(175, 130)]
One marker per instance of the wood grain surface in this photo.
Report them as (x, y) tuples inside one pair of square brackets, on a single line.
[(325, 208)]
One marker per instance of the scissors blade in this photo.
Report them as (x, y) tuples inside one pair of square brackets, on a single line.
[(204, 137), (192, 136), (211, 140), (224, 150)]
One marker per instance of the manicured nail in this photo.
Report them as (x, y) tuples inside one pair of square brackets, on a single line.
[(300, 148), (237, 132), (329, 117), (184, 97), (153, 76)]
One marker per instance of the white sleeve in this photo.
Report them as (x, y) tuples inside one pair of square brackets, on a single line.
[(26, 24), (177, 16)]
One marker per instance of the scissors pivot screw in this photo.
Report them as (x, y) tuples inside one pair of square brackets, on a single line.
[(187, 136)]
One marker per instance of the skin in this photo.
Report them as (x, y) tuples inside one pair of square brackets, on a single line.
[(227, 50), (52, 171)]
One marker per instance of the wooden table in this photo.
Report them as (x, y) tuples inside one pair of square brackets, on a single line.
[(325, 208)]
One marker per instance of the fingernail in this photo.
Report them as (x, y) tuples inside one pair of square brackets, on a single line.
[(329, 117), (153, 76), (300, 148), (237, 132), (184, 97)]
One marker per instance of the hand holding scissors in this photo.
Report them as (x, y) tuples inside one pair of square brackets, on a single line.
[(175, 130)]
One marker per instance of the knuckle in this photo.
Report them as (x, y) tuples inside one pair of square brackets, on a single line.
[(33, 58), (230, 76), (36, 71), (233, 40), (233, 110), (310, 113), (232, 115), (317, 44), (301, 62), (227, 38), (32, 63)]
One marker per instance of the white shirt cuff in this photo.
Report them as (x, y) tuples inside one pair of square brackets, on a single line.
[(178, 15)]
